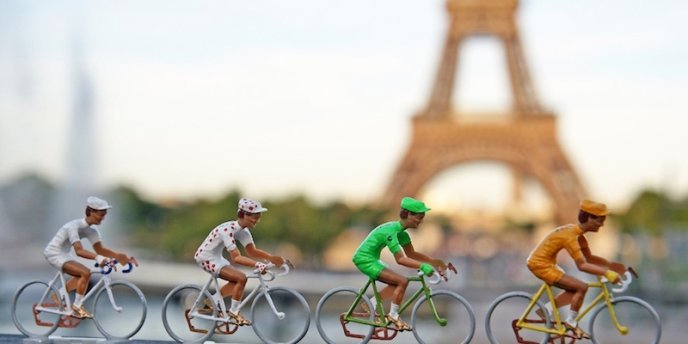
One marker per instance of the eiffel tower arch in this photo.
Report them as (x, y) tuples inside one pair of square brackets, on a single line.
[(524, 138)]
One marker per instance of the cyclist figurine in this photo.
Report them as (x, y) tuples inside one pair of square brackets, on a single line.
[(58, 254), (223, 236), (542, 261), (393, 235)]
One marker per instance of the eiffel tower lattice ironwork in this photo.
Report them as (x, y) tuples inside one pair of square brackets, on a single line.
[(524, 138)]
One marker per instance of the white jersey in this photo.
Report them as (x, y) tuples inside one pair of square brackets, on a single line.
[(221, 237), (70, 233)]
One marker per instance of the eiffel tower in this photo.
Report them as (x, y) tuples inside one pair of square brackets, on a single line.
[(524, 138)]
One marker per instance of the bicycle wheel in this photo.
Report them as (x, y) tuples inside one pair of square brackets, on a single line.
[(457, 320), (637, 315), (120, 311), (176, 314), (31, 322), (329, 317), (291, 321), (501, 317)]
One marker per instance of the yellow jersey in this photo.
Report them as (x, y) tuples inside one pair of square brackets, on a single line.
[(542, 260)]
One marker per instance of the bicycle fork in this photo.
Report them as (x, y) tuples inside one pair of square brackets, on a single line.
[(280, 315), (608, 299), (106, 284)]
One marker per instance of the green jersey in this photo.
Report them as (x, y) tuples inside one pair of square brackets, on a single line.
[(390, 234)]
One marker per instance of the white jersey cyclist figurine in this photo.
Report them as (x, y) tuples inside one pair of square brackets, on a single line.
[(59, 255), (224, 236)]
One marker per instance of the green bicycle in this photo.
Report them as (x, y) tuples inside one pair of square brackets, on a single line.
[(437, 316)]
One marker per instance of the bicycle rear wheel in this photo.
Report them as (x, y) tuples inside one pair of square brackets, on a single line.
[(121, 313), (290, 323), (30, 321), (457, 320), (637, 315), (330, 312), (177, 319), (501, 317)]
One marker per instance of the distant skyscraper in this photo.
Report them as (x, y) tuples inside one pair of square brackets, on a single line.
[(81, 166)]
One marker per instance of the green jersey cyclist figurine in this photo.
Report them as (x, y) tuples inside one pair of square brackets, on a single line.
[(393, 235)]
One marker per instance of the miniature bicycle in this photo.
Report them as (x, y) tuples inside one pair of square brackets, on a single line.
[(192, 313), (632, 318), (119, 308), (439, 315)]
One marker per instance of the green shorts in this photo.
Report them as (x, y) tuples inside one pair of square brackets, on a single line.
[(372, 268)]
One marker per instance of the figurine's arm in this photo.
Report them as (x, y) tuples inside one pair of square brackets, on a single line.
[(122, 258), (255, 252), (591, 258), (406, 261), (245, 261), (413, 254), (595, 269), (82, 252)]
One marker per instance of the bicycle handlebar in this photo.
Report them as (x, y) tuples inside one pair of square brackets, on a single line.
[(285, 268), (624, 283), (436, 278), (104, 269), (107, 268), (128, 268)]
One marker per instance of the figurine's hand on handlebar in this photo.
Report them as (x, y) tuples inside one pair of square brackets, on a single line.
[(612, 276), (262, 267), (427, 269), (102, 260)]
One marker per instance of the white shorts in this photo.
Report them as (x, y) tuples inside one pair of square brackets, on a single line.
[(58, 260), (213, 265)]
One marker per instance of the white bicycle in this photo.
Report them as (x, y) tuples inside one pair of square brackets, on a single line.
[(119, 307), (192, 313)]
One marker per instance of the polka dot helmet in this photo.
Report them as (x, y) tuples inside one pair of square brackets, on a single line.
[(251, 206)]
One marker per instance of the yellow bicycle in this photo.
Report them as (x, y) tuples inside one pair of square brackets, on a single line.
[(624, 319)]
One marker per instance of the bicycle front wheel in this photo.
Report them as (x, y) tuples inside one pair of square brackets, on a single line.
[(287, 322), (634, 315), (33, 321), (330, 312), (177, 314), (119, 311), (454, 323), (504, 312)]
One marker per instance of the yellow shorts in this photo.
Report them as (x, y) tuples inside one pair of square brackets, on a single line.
[(551, 274)]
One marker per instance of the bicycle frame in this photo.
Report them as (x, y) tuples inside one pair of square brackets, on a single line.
[(103, 282), (424, 290), (219, 301), (559, 328)]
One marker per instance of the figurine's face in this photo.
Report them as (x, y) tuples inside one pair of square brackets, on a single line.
[(415, 219), (97, 216), (595, 222), (251, 219)]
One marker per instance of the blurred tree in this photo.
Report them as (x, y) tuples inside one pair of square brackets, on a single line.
[(176, 229), (649, 212)]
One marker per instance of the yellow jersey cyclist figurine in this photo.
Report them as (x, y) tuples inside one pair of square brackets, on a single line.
[(69, 236), (571, 237), (224, 236), (393, 235)]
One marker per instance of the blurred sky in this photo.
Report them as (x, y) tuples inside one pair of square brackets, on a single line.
[(193, 98)]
